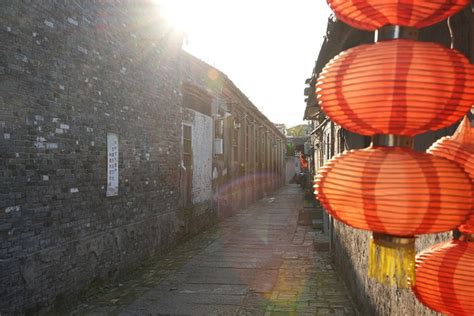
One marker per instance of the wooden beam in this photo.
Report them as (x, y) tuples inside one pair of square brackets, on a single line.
[(471, 35)]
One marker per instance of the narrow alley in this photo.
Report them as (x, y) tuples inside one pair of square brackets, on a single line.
[(262, 261), (153, 155)]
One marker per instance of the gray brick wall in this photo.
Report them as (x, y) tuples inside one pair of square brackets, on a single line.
[(72, 71), (350, 252)]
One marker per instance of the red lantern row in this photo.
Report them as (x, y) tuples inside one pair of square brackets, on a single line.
[(391, 90)]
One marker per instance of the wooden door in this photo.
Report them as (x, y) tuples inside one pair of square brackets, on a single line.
[(188, 165)]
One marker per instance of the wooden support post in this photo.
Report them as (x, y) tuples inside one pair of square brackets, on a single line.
[(471, 35)]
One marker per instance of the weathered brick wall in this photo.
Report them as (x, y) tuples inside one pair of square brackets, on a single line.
[(350, 252), (236, 182), (72, 71)]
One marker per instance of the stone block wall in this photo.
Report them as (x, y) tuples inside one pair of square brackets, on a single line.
[(349, 249), (71, 72)]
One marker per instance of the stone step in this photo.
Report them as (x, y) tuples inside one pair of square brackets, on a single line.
[(309, 204), (317, 224), (304, 217), (317, 214), (321, 242)]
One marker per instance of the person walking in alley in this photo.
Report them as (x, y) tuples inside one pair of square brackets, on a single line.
[(302, 175)]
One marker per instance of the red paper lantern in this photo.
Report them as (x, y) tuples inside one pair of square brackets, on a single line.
[(373, 14), (395, 191), (397, 87), (460, 149), (444, 277)]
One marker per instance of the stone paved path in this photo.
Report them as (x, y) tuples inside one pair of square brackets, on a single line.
[(261, 261)]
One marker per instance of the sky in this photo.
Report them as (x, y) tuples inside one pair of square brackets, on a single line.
[(266, 47)]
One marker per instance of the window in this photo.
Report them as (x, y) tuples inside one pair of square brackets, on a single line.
[(219, 128), (247, 142), (187, 147), (328, 152), (235, 141), (197, 99)]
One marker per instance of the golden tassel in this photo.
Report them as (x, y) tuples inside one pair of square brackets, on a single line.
[(392, 260)]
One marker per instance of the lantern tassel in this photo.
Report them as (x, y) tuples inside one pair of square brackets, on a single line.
[(392, 260)]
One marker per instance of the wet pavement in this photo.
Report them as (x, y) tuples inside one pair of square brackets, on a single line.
[(262, 261)]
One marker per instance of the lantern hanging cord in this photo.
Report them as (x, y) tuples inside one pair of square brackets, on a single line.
[(451, 33)]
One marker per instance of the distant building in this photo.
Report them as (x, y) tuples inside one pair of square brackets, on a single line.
[(281, 128), (247, 150)]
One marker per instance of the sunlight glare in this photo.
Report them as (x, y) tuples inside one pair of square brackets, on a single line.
[(251, 40), (188, 16)]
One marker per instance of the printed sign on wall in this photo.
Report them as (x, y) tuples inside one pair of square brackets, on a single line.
[(112, 164)]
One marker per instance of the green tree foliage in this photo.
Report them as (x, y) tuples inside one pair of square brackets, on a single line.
[(298, 130)]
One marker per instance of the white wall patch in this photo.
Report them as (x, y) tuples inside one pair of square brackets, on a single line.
[(10, 209), (72, 21), (112, 164), (49, 23)]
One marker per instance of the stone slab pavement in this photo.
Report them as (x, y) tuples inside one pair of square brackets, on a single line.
[(261, 261)]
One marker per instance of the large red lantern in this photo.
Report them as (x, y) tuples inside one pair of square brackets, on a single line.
[(397, 87), (373, 14), (396, 193), (444, 277)]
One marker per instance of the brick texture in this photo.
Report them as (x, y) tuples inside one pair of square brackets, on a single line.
[(72, 71)]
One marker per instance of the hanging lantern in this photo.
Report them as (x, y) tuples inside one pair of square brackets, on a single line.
[(444, 277), (397, 194), (395, 191), (373, 14), (460, 149), (397, 87)]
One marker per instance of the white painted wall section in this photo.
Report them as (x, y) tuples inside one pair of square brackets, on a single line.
[(202, 158)]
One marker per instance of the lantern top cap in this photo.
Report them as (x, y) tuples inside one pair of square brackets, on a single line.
[(464, 133)]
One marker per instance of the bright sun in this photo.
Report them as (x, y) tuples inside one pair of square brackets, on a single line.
[(267, 47), (189, 16)]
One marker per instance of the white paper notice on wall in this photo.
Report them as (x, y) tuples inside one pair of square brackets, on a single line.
[(112, 165)]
